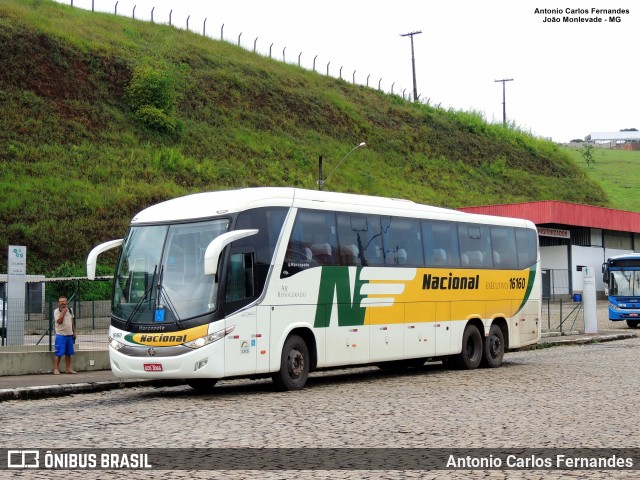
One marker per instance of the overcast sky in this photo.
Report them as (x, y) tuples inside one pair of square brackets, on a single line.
[(569, 79)]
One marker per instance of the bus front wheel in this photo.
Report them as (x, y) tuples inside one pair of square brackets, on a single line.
[(472, 347), (294, 365), (633, 323)]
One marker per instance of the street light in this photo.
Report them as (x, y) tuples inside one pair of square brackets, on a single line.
[(322, 181)]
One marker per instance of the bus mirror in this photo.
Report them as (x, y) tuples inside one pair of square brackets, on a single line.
[(212, 254), (93, 256), (605, 273)]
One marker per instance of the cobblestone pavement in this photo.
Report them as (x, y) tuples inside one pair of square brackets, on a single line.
[(561, 397)]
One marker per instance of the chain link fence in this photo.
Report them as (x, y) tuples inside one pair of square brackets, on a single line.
[(89, 301)]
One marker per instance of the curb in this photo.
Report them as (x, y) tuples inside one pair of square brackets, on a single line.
[(588, 340), (35, 393)]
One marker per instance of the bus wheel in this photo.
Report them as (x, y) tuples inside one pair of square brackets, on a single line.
[(471, 354), (493, 348), (294, 365), (633, 323), (202, 384)]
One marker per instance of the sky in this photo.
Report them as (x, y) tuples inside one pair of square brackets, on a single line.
[(569, 78)]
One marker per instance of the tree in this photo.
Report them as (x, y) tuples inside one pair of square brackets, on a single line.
[(587, 154)]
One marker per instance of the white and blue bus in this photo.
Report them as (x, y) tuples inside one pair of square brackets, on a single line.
[(282, 281), (621, 276)]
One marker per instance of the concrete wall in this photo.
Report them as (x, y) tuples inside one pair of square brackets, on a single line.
[(29, 362)]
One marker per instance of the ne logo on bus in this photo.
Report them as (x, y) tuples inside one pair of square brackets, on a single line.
[(433, 282)]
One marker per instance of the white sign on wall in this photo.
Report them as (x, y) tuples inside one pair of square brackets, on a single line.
[(553, 232), (17, 260)]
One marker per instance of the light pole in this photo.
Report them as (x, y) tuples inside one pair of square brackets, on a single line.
[(322, 181), (413, 62), (504, 101)]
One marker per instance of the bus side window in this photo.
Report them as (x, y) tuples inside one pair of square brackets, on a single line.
[(313, 242), (503, 243), (475, 245), (362, 236), (440, 240), (403, 243), (527, 246)]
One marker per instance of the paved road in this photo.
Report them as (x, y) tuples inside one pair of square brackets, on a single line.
[(561, 397)]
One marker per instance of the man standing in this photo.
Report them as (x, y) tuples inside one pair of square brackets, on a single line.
[(65, 335)]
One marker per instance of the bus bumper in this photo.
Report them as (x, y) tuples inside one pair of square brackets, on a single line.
[(205, 362)]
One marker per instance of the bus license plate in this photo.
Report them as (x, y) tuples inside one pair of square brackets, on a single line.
[(633, 314), (152, 367)]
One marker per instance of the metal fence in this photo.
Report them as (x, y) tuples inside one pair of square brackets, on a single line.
[(92, 318), (555, 284), (562, 316)]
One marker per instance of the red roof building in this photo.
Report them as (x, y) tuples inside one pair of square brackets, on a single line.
[(565, 213)]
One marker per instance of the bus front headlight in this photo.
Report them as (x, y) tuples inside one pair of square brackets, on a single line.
[(116, 345), (206, 340), (613, 307)]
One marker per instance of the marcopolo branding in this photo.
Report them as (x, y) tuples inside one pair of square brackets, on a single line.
[(450, 282)]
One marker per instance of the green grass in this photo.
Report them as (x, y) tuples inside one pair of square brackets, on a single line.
[(103, 116), (618, 172)]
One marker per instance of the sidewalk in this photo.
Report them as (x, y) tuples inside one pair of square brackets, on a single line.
[(25, 387)]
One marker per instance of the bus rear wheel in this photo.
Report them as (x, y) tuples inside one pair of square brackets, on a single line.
[(202, 384), (633, 323), (294, 365), (493, 348), (472, 347)]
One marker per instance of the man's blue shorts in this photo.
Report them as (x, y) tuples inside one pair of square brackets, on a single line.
[(64, 345)]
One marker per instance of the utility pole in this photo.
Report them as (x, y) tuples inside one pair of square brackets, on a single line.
[(504, 101), (413, 63)]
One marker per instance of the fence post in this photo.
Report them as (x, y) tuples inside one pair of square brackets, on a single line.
[(561, 319), (50, 320)]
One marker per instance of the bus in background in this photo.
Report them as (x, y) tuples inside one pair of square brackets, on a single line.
[(621, 276), (281, 281)]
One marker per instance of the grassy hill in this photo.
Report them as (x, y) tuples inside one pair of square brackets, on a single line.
[(102, 116), (617, 171)]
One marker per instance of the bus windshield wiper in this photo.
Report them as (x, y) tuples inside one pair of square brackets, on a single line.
[(137, 310), (164, 297)]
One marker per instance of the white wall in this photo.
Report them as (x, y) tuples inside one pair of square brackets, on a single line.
[(588, 256), (556, 258)]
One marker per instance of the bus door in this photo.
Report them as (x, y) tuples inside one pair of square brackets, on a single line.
[(241, 345)]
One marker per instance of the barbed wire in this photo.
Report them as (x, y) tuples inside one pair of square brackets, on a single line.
[(399, 91)]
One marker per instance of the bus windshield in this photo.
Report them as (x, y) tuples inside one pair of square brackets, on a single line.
[(160, 275), (624, 283)]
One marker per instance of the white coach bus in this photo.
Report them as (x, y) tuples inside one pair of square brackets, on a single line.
[(281, 281)]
